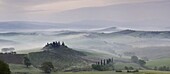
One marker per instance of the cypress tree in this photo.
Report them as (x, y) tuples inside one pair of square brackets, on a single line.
[(63, 44), (104, 62), (101, 62)]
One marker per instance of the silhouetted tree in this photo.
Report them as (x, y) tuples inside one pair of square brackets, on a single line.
[(59, 43), (63, 44), (131, 68), (98, 63), (101, 62), (27, 62), (141, 62), (104, 62), (7, 50), (126, 68), (4, 68), (134, 59)]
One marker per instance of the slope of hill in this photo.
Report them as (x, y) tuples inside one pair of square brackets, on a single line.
[(21, 69), (158, 62), (145, 34), (108, 30), (159, 52), (12, 58), (60, 55)]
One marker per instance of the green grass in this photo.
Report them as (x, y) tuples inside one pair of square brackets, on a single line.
[(32, 70), (153, 72), (120, 66), (112, 72), (159, 62), (22, 68)]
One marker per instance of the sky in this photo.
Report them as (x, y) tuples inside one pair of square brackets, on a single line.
[(67, 11)]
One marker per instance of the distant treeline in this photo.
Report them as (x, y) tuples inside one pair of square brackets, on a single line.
[(54, 45), (104, 65)]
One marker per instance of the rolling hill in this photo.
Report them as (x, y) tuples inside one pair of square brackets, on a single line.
[(144, 34), (60, 55)]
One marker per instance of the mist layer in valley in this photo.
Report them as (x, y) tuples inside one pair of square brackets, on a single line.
[(111, 41)]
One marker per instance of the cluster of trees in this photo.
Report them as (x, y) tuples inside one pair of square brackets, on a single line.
[(138, 61), (8, 50), (53, 45), (47, 67), (162, 68), (4, 68), (105, 61), (131, 69), (104, 65)]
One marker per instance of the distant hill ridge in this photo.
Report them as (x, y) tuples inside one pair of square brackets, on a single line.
[(145, 34)]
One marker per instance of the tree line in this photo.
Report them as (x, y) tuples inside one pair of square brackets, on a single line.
[(104, 65), (162, 68), (53, 45)]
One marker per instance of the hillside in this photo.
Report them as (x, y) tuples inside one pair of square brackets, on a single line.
[(145, 34), (159, 52), (12, 58), (60, 55)]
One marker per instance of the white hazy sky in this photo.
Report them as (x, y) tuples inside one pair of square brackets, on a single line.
[(53, 10)]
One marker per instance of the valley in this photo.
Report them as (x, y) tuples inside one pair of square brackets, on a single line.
[(107, 43)]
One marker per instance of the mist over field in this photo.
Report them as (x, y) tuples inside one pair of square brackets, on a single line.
[(108, 40)]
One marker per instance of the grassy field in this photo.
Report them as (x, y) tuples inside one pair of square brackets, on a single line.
[(112, 72), (120, 66), (31, 70), (22, 68), (159, 62)]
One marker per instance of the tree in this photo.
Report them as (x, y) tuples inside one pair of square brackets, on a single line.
[(5, 50), (59, 43), (4, 68), (107, 67), (27, 62), (131, 68), (167, 69), (134, 59), (155, 68), (47, 67), (63, 44), (126, 68), (101, 62), (141, 62)]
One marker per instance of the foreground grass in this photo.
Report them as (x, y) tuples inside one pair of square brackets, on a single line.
[(31, 70), (112, 72), (153, 72)]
